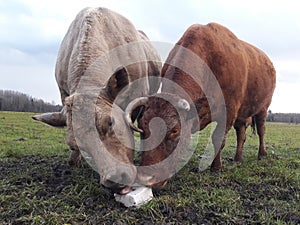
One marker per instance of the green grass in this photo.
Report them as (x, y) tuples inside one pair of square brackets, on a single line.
[(38, 187), (20, 135)]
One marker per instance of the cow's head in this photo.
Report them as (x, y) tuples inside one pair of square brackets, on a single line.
[(177, 121), (95, 121)]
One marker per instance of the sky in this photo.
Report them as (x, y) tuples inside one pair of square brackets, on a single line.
[(31, 32)]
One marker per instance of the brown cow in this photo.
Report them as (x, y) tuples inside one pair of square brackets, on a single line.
[(245, 78)]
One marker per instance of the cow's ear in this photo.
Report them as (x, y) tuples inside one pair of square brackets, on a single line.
[(117, 82), (202, 110), (201, 105), (56, 119), (69, 102)]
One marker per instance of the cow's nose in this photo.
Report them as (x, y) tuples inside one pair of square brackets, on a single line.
[(118, 182)]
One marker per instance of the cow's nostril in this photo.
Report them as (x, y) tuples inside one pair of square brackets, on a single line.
[(116, 187), (117, 181), (109, 183)]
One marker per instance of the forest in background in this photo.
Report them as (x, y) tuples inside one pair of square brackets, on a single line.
[(19, 102), (284, 117)]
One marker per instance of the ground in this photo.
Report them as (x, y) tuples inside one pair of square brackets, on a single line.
[(38, 186)]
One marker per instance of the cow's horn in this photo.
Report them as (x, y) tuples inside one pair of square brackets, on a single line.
[(129, 109), (183, 104)]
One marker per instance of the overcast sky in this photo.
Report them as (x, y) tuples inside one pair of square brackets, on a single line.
[(31, 32)]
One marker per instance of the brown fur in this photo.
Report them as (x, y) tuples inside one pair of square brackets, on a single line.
[(246, 77)]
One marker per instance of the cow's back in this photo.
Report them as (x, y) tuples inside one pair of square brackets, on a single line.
[(245, 74), (94, 33)]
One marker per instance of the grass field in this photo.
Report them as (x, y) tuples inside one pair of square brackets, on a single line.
[(38, 187)]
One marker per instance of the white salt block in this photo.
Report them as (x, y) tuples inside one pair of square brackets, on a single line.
[(137, 197)]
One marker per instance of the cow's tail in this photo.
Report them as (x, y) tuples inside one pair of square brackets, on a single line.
[(253, 125)]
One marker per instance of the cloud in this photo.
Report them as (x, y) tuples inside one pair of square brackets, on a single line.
[(33, 78), (285, 98), (31, 32), (288, 70), (22, 30)]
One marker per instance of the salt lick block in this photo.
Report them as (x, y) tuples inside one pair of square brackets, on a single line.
[(139, 196)]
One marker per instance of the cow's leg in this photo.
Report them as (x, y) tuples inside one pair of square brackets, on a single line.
[(218, 139), (260, 120), (217, 163), (75, 158), (240, 128)]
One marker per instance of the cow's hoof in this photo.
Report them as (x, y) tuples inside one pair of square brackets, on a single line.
[(216, 169), (260, 157), (75, 158), (238, 160), (74, 162)]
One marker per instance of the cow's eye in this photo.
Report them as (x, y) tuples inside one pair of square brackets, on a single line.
[(173, 133), (111, 122), (105, 125)]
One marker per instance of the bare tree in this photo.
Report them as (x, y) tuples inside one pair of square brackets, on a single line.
[(19, 102)]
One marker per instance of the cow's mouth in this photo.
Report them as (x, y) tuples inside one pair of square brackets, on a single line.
[(125, 190), (121, 190)]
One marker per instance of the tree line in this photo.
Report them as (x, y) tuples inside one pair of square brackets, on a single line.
[(19, 102), (284, 117)]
